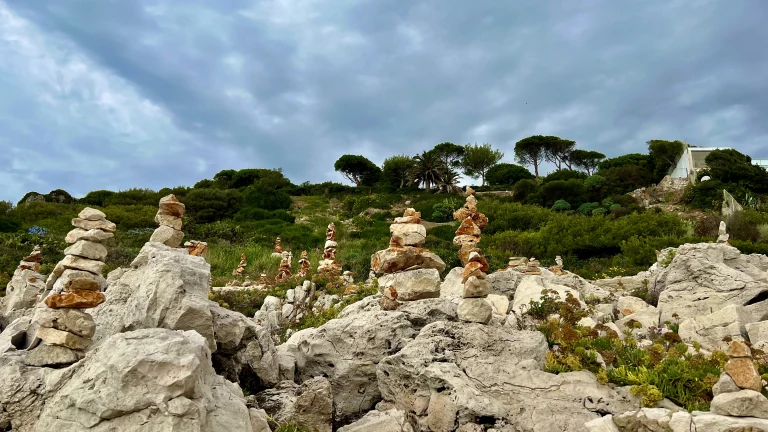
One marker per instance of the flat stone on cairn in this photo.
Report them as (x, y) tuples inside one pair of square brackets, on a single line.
[(76, 283), (472, 307), (410, 271), (169, 217), (197, 248)]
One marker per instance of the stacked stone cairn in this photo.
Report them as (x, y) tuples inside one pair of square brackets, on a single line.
[(263, 283), (410, 271), (278, 251), (472, 307), (558, 267), (32, 261), (519, 264), (328, 264), (304, 264), (197, 248), (169, 217), (75, 284), (534, 267), (284, 272), (240, 270), (722, 234), (25, 287), (738, 391)]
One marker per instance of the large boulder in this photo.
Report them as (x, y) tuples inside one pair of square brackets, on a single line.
[(705, 277), (245, 351), (21, 295), (406, 257), (347, 350), (413, 284), (153, 380), (710, 330), (453, 374), (165, 287)]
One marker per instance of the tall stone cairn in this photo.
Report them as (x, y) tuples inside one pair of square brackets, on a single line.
[(472, 307), (722, 234), (169, 217), (278, 247), (304, 264), (75, 284), (411, 272), (328, 263), (240, 270)]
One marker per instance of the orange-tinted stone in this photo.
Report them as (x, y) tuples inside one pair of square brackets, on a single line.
[(468, 227), (75, 299)]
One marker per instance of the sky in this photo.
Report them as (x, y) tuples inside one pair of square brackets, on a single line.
[(115, 94)]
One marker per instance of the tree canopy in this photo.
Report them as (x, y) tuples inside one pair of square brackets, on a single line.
[(586, 160), (450, 153), (478, 159), (558, 151), (357, 169), (507, 174), (664, 155), (731, 166), (395, 171), (531, 151)]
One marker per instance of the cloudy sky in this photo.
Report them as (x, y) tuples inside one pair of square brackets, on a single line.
[(113, 94)]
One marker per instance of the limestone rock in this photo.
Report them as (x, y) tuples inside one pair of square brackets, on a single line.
[(71, 262), (14, 336), (169, 221), (87, 249), (22, 291), (407, 257), (148, 380), (413, 284), (53, 355), (710, 329), (724, 385), (408, 234), (452, 286), (314, 405), (347, 350), (454, 373), (77, 299), (744, 403), (499, 303), (705, 277), (73, 321), (530, 288), (628, 305), (474, 310), (51, 336), (171, 206), (79, 280), (758, 334), (167, 236), (380, 421), (738, 349), (166, 288), (744, 373), (94, 235), (92, 214), (87, 225), (475, 288)]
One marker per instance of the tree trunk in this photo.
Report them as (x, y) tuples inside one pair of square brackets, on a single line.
[(536, 167)]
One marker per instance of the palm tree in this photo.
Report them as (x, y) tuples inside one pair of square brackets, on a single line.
[(449, 182), (428, 169)]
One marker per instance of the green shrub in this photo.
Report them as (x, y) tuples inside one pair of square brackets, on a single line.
[(443, 211), (587, 208), (525, 189), (561, 205), (598, 212)]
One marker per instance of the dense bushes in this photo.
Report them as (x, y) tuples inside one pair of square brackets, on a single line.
[(506, 174)]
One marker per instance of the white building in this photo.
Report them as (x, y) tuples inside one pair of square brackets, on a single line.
[(692, 161)]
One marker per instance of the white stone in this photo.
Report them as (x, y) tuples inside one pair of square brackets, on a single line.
[(408, 234), (413, 284), (499, 303), (87, 249), (744, 403), (628, 305), (476, 310), (92, 214), (95, 235)]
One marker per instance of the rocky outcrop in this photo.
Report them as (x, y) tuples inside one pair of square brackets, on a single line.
[(347, 351), (24, 289), (704, 278), (454, 374), (165, 287)]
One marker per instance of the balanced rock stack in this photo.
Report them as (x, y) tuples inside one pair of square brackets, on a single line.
[(558, 267), (32, 261), (722, 235), (472, 307), (304, 264), (410, 271), (328, 263), (285, 269), (738, 392), (169, 218), (76, 283), (25, 287), (517, 264), (278, 247), (534, 267), (240, 270)]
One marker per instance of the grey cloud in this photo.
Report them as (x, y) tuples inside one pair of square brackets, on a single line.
[(296, 84)]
